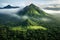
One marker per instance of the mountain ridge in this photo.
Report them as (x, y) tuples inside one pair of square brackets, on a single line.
[(31, 10), (8, 7), (34, 14)]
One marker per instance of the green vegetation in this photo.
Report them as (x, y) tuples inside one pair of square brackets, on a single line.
[(36, 25), (19, 28), (36, 28), (7, 33)]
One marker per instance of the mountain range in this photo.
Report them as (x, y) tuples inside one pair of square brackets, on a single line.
[(30, 15), (8, 7), (55, 7)]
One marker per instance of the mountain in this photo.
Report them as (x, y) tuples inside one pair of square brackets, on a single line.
[(53, 8), (8, 7), (32, 10), (35, 15), (30, 15)]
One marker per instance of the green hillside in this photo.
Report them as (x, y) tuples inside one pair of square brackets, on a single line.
[(32, 10), (33, 14), (33, 24)]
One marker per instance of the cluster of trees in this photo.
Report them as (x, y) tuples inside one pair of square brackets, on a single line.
[(50, 34)]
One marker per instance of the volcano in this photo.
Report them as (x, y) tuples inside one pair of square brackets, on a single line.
[(35, 15), (32, 10)]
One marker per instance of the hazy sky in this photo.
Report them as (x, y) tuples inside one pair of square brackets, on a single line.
[(26, 2)]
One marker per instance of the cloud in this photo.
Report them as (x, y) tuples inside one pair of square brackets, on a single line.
[(51, 11), (27, 2), (53, 1), (57, 2)]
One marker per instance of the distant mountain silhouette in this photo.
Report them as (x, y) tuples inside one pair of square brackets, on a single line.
[(52, 8), (8, 7)]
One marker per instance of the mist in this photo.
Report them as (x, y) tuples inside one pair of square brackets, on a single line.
[(11, 12), (55, 14)]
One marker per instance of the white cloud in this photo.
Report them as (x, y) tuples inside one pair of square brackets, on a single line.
[(54, 2), (37, 2), (45, 19), (57, 1), (51, 11), (25, 17)]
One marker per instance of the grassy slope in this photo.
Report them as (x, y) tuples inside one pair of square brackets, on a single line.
[(28, 27)]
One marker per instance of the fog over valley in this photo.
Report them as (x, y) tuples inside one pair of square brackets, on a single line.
[(13, 13)]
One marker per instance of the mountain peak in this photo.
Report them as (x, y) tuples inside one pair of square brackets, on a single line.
[(9, 6), (32, 5)]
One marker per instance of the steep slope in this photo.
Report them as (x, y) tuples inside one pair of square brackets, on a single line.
[(35, 15), (28, 22), (32, 10), (8, 20)]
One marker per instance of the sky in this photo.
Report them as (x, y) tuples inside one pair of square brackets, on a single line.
[(27, 2)]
